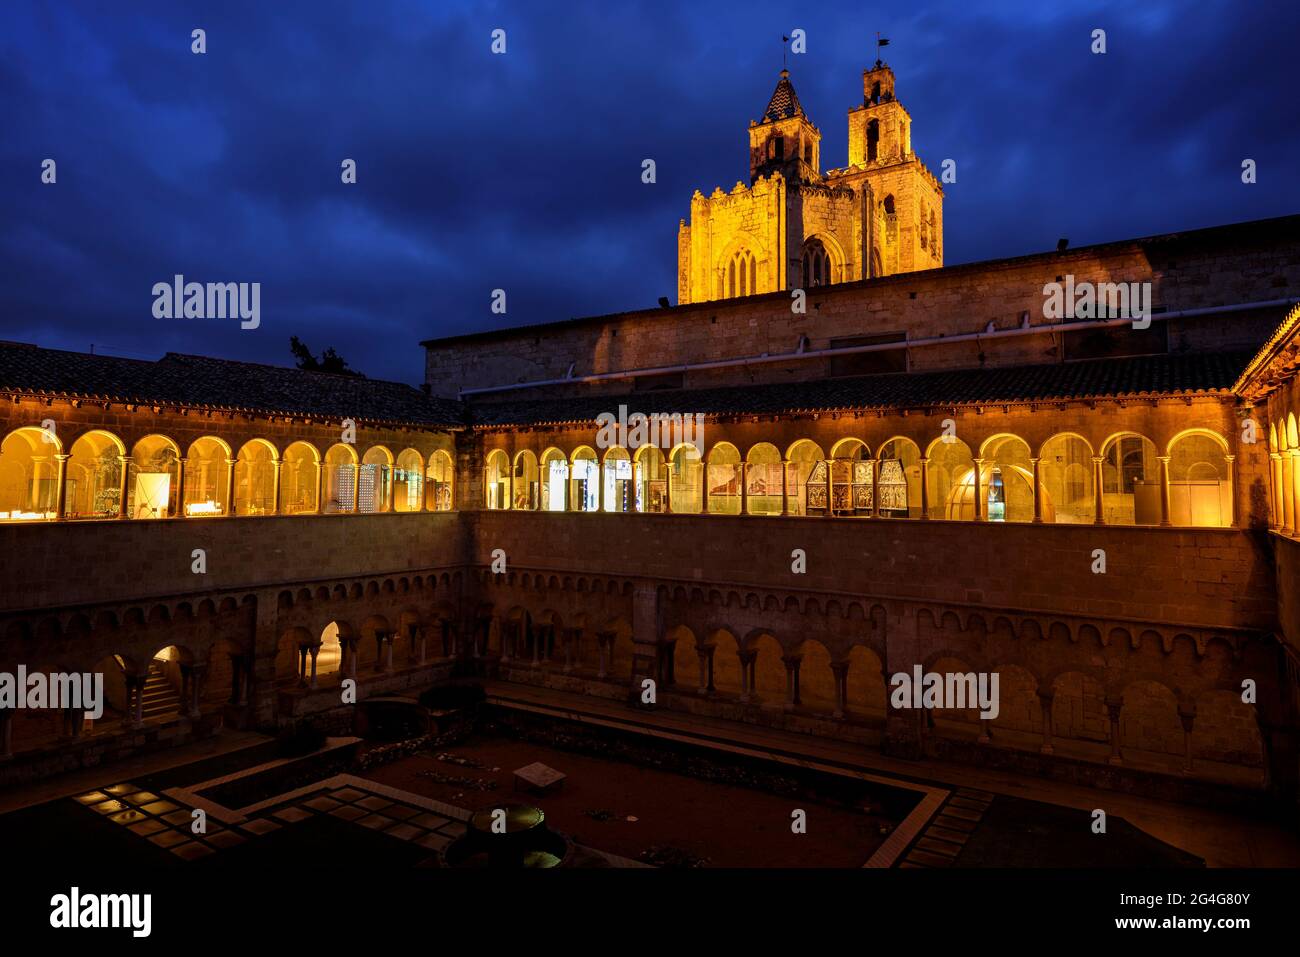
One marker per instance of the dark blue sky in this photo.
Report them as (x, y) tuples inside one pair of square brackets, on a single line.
[(522, 171)]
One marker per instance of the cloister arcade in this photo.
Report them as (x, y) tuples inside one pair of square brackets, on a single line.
[(97, 477), (1284, 468), (1159, 700), (1124, 479), (182, 659)]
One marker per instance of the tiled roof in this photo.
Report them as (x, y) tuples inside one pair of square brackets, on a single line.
[(1275, 362), (199, 381), (1093, 379), (784, 102)]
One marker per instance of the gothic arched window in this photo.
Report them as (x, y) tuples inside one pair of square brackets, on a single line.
[(816, 264), (873, 140), (741, 276)]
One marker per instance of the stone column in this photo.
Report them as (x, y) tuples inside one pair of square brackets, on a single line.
[(124, 469), (1164, 490), (421, 636), (320, 488), (313, 651), (1113, 707), (6, 733), (744, 488), (1187, 718), (875, 488), (275, 487), (236, 666), (61, 489), (536, 633), (1099, 515), (568, 636), (1293, 491), (354, 654), (1038, 493), (356, 487), (925, 487), (746, 684), (791, 682), (1275, 518), (302, 666), (1288, 493), (830, 488), (230, 487), (1232, 489), (505, 630), (388, 650), (1045, 699), (198, 676), (137, 703), (704, 490), (840, 674), (785, 486)]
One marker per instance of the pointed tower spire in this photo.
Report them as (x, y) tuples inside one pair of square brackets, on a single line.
[(784, 103)]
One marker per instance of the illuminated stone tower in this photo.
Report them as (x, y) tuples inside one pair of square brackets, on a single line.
[(795, 227)]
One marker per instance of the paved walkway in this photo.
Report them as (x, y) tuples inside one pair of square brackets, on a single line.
[(86, 779), (1221, 838)]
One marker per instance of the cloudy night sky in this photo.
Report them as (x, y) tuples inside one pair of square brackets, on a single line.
[(523, 171)]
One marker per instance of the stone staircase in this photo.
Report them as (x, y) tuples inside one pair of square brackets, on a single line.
[(943, 840), (160, 698)]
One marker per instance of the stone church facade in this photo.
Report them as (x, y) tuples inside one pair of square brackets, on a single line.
[(795, 227)]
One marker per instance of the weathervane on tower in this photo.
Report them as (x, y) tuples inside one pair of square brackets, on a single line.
[(880, 42)]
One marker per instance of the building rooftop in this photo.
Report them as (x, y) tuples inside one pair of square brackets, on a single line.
[(1137, 377), (203, 382)]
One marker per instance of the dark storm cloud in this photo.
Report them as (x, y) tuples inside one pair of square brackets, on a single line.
[(522, 171)]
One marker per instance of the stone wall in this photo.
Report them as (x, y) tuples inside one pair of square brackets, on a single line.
[(1251, 262)]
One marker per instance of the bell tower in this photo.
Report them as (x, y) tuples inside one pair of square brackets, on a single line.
[(784, 140), (904, 214), (880, 131)]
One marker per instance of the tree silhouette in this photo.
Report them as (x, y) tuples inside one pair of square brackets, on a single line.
[(329, 361)]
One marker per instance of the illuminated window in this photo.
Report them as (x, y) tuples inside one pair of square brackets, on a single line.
[(93, 477), (28, 475), (584, 480), (255, 478), (555, 481), (651, 480), (207, 474), (438, 483), (686, 475), (375, 480), (619, 490), (496, 480), (408, 482), (153, 482), (763, 480), (528, 482), (299, 474), (722, 474), (338, 487)]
